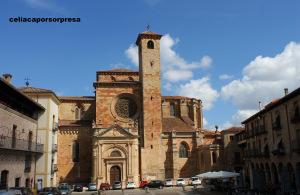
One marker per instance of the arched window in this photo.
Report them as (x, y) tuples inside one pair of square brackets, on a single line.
[(115, 153), (183, 150), (172, 109), (77, 113), (150, 45), (214, 157)]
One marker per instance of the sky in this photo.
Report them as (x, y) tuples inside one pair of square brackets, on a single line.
[(230, 54)]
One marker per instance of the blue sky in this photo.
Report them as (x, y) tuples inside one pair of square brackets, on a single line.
[(231, 54)]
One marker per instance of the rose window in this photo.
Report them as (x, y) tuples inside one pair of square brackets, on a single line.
[(125, 107)]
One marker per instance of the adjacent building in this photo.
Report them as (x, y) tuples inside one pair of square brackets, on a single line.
[(47, 128), (19, 144), (272, 145)]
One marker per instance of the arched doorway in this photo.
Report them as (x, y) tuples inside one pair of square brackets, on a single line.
[(115, 174), (4, 179)]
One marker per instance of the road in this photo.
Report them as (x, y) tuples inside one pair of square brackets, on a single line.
[(165, 191)]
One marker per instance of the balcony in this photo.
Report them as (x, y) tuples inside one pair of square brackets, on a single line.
[(255, 153), (276, 126), (54, 147), (262, 130), (295, 119), (278, 152), (55, 126), (9, 143)]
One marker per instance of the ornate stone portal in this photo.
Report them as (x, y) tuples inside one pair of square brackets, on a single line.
[(115, 156)]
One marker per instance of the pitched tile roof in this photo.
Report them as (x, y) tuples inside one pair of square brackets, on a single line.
[(177, 124), (34, 90), (90, 98), (233, 130)]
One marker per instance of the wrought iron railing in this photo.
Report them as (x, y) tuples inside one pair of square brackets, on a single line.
[(21, 145)]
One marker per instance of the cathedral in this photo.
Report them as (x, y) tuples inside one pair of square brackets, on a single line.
[(128, 131)]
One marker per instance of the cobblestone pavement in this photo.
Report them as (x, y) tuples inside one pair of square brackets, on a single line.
[(165, 191)]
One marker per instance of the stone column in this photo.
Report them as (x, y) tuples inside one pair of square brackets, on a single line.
[(100, 161), (94, 177), (130, 159)]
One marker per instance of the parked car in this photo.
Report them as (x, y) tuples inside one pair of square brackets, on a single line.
[(130, 185), (117, 185), (105, 186), (142, 184), (65, 189), (92, 187), (195, 181), (78, 188), (24, 190), (155, 184), (50, 191), (180, 182), (168, 182), (10, 192)]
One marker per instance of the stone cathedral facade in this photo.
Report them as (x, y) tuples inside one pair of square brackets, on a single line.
[(128, 131)]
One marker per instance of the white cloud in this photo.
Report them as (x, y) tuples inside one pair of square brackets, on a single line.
[(171, 62), (133, 54), (177, 75), (225, 77), (242, 115), (205, 122), (265, 78), (45, 4), (200, 89)]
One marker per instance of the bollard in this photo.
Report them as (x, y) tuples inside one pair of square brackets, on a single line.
[(123, 191), (183, 188)]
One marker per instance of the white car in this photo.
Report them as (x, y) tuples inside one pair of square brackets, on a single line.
[(195, 181), (180, 182), (130, 185), (168, 182)]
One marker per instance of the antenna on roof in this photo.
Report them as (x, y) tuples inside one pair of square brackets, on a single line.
[(148, 28), (259, 105), (27, 81)]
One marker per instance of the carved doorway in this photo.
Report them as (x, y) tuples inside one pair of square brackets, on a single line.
[(115, 174)]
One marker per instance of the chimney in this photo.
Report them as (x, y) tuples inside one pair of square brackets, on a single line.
[(259, 105), (286, 91), (7, 77)]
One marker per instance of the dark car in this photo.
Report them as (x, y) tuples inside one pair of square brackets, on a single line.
[(155, 184), (24, 190), (105, 186), (50, 191), (65, 190), (78, 188)]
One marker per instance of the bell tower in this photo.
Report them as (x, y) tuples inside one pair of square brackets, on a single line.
[(151, 151)]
